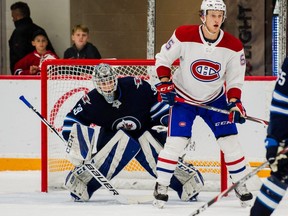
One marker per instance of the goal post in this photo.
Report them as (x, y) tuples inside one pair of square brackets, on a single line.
[(64, 82)]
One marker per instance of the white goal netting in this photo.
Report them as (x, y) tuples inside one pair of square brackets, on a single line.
[(64, 82)]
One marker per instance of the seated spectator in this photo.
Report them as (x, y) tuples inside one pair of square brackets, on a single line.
[(20, 40), (31, 63), (81, 49)]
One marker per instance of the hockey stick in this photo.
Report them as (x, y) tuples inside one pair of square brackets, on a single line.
[(233, 186), (91, 168), (182, 100)]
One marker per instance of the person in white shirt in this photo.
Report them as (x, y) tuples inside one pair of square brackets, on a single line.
[(212, 70)]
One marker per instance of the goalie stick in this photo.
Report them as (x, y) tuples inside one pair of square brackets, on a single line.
[(91, 168), (182, 100), (233, 186)]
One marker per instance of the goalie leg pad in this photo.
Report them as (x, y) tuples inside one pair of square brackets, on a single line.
[(148, 154), (76, 182), (187, 181), (113, 157), (81, 144)]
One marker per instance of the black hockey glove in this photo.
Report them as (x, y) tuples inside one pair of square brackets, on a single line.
[(237, 112), (278, 163), (271, 152), (167, 92)]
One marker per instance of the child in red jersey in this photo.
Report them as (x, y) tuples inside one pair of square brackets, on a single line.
[(31, 63)]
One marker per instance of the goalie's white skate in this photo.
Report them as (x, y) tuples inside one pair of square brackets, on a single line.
[(244, 196), (160, 195)]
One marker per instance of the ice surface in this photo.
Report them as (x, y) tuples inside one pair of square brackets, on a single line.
[(20, 196)]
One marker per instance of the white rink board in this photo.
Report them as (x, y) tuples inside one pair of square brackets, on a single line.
[(20, 127)]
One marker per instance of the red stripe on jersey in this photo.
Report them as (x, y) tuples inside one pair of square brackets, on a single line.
[(234, 93), (235, 162), (163, 71), (167, 161)]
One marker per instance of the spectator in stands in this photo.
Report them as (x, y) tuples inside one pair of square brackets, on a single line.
[(31, 63), (20, 40), (81, 49)]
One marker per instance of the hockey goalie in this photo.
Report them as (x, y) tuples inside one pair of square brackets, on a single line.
[(124, 111)]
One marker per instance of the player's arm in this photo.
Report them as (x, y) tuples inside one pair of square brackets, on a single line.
[(78, 115), (159, 114), (277, 130), (170, 51), (279, 106), (234, 82), (159, 111)]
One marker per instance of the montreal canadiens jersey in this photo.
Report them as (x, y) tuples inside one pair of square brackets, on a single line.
[(204, 67), (279, 106), (136, 111)]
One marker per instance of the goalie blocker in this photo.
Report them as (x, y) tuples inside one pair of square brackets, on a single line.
[(110, 157)]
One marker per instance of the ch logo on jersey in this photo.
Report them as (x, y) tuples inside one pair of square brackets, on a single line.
[(205, 71), (126, 123)]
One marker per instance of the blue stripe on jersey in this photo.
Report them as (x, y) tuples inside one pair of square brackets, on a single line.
[(82, 142), (67, 125), (237, 171), (164, 170), (158, 109), (270, 194), (279, 103)]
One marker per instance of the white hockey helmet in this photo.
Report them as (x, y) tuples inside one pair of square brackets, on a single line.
[(213, 5), (105, 81)]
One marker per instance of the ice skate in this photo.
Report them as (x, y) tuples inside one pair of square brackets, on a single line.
[(244, 195), (160, 195)]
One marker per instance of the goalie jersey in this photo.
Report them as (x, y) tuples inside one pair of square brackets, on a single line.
[(135, 110)]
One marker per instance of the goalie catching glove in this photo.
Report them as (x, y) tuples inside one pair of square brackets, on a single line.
[(237, 112), (191, 179), (167, 92)]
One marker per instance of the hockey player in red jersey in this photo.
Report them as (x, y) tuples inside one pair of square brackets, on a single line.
[(275, 187), (209, 59)]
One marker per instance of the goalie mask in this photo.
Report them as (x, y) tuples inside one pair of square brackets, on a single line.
[(213, 5), (105, 81)]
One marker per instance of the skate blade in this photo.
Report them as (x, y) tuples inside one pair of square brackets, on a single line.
[(159, 203), (140, 199), (245, 204)]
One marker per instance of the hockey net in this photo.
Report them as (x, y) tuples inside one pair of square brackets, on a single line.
[(64, 82)]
